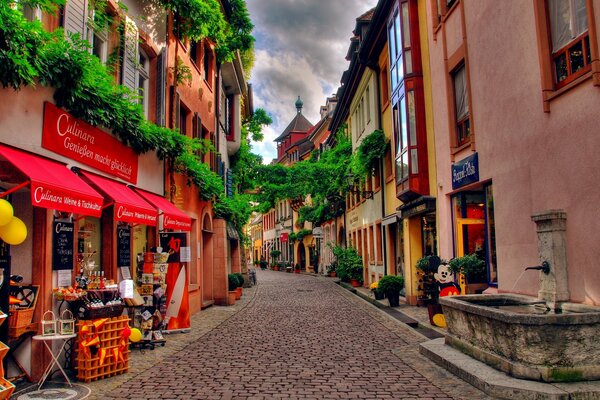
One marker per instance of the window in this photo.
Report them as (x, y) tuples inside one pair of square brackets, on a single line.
[(371, 245), (379, 244), (98, 40), (401, 136), (207, 59), (368, 96), (32, 13), (143, 72), (461, 105), (183, 114), (385, 90), (570, 41), (194, 51), (395, 43)]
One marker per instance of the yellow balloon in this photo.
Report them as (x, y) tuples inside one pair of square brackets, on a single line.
[(6, 212), (136, 335), (15, 232)]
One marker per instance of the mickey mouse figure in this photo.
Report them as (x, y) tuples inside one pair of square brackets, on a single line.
[(445, 279)]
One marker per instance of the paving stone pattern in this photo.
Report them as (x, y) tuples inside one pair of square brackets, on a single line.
[(299, 337)]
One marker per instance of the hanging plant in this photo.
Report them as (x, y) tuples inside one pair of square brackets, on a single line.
[(368, 154)]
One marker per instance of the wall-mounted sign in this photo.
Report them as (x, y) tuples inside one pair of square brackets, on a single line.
[(62, 245), (172, 242), (284, 237), (71, 137), (465, 171)]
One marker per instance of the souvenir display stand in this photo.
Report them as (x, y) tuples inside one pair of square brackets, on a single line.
[(6, 387), (102, 349), (149, 318)]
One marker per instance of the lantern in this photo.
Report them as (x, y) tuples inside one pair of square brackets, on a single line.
[(67, 323), (49, 325)]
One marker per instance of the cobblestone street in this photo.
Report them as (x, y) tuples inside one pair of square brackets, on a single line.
[(299, 337)]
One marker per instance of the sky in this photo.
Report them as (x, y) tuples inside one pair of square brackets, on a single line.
[(300, 50)]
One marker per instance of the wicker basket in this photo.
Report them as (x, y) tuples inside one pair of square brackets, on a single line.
[(20, 317)]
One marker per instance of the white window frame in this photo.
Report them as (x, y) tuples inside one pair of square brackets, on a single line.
[(143, 71), (102, 36)]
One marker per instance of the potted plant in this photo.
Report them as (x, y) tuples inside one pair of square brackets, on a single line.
[(379, 295), (355, 272), (240, 284), (331, 269), (391, 285), (297, 268), (349, 265), (473, 272), (232, 283)]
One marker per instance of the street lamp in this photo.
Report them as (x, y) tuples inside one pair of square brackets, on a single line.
[(351, 182)]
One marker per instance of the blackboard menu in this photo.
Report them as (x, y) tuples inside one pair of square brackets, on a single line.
[(62, 245), (123, 246)]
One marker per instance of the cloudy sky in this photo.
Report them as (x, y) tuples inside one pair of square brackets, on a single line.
[(300, 51)]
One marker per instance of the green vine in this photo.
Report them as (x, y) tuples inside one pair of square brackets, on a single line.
[(182, 73), (29, 55), (368, 154)]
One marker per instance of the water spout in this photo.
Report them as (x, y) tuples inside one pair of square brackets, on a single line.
[(545, 267)]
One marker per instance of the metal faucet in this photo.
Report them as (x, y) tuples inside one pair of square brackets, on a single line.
[(545, 267)]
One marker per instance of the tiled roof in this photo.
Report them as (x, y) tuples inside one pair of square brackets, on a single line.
[(298, 124), (367, 16)]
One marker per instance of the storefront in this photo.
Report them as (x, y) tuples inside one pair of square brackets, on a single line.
[(473, 217), (71, 184)]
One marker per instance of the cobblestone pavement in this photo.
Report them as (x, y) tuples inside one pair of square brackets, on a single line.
[(300, 337)]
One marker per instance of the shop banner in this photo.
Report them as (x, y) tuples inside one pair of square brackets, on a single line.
[(465, 171), (178, 306), (57, 198), (176, 222), (71, 137)]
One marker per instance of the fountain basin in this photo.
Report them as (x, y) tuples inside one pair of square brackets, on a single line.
[(520, 336)]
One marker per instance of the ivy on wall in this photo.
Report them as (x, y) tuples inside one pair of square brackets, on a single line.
[(29, 56)]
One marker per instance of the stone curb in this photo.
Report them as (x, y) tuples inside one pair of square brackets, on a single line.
[(500, 385)]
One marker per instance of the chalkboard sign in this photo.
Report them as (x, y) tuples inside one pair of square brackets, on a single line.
[(62, 245), (123, 246)]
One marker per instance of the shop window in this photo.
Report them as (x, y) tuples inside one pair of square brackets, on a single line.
[(428, 233), (570, 40), (461, 106), (89, 245), (379, 243), (371, 245), (473, 216)]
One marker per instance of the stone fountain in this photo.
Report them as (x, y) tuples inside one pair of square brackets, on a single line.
[(544, 339)]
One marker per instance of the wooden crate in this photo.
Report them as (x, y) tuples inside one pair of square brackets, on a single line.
[(89, 368)]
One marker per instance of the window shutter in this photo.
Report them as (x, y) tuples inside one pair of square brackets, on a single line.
[(197, 126), (160, 88), (229, 183), (76, 17), (130, 55), (175, 108)]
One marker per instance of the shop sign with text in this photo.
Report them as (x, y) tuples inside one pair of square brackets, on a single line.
[(71, 137), (62, 199), (465, 171), (173, 222)]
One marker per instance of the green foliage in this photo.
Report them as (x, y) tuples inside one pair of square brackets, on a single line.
[(469, 265), (349, 263), (232, 282), (199, 19), (235, 209), (254, 124), (391, 283), (182, 73), (300, 235), (368, 154), (275, 253), (429, 263), (85, 87), (240, 279)]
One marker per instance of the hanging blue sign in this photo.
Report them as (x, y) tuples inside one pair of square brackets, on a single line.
[(465, 171)]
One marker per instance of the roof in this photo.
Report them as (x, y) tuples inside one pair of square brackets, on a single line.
[(367, 15), (298, 124)]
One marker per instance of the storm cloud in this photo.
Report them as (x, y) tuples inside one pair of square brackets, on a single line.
[(300, 51)]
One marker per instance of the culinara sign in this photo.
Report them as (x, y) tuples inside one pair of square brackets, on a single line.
[(465, 171), (71, 137)]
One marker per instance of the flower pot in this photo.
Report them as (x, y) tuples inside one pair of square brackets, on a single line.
[(354, 282), (296, 271), (238, 293), (275, 268), (378, 295), (333, 274), (231, 298), (393, 298)]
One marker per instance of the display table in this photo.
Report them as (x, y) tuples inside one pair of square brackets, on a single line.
[(49, 339)]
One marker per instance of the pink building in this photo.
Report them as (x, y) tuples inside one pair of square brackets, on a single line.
[(516, 94)]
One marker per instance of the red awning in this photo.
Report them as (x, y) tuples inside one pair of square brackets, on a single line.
[(129, 207), (53, 185), (173, 217)]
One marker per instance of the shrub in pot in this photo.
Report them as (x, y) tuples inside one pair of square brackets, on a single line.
[(391, 285), (470, 266)]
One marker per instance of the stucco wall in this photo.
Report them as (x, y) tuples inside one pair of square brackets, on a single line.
[(535, 160)]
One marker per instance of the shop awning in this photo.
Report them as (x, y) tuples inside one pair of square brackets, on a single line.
[(128, 206), (173, 217), (232, 233), (53, 185)]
